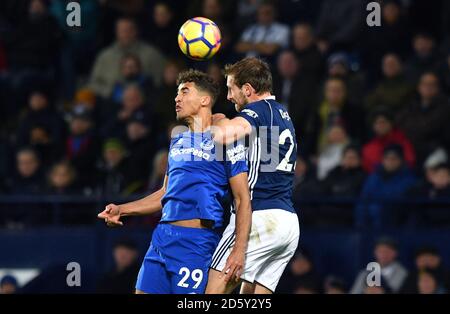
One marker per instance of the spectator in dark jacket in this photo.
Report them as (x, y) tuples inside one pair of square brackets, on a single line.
[(387, 184), (424, 59), (347, 179), (29, 177), (425, 120), (122, 278), (385, 133), (300, 276), (82, 146), (41, 112)]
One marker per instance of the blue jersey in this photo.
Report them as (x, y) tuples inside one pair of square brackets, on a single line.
[(271, 155), (198, 177)]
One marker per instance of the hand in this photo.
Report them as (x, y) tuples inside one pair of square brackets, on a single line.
[(234, 265), (216, 117), (111, 215)]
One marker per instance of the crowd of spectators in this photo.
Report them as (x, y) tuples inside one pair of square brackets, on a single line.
[(88, 110)]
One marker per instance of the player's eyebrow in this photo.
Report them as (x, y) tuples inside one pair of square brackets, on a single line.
[(185, 88)]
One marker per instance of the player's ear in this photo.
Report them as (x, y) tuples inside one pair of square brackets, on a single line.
[(206, 101), (247, 89)]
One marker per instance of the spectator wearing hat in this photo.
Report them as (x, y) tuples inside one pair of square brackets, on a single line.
[(427, 259), (300, 276), (387, 184), (339, 65), (393, 273), (393, 92), (121, 279), (8, 285), (82, 146), (385, 133)]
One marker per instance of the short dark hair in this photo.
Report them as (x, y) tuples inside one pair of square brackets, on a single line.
[(253, 71), (202, 80)]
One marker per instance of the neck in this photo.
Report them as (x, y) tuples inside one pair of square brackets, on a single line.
[(258, 97), (200, 122)]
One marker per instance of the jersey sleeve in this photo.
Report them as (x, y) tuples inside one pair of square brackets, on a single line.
[(252, 115), (235, 162)]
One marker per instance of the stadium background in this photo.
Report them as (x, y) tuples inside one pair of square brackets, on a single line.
[(86, 112)]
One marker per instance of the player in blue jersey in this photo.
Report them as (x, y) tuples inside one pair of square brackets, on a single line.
[(272, 150), (197, 180)]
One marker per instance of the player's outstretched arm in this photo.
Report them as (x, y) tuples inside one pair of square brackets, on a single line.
[(144, 206), (235, 262), (227, 131)]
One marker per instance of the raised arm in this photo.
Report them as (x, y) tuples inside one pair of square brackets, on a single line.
[(236, 260), (144, 206), (227, 131)]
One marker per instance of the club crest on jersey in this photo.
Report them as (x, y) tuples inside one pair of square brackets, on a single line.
[(250, 113), (207, 144)]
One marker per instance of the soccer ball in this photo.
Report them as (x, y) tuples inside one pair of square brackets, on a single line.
[(199, 38)]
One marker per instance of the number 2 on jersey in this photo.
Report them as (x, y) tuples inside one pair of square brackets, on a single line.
[(284, 164)]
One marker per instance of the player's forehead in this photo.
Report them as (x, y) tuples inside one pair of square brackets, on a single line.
[(186, 86), (230, 81)]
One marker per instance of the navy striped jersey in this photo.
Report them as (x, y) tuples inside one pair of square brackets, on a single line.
[(271, 154), (198, 177)]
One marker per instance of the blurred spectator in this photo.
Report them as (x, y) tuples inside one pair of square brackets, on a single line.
[(334, 110), (339, 66), (347, 179), (300, 276), (82, 145), (309, 56), (393, 273), (163, 29), (435, 190), (115, 178), (424, 57), (32, 49), (428, 282), (8, 285), (305, 179), (106, 72), (334, 285), (425, 120), (427, 259), (391, 37), (444, 72), (331, 154), (131, 73), (382, 188), (295, 89), (133, 101), (40, 140), (265, 37), (28, 179), (246, 12), (385, 133), (141, 149), (165, 99), (40, 112), (222, 105), (339, 24), (79, 45), (159, 171), (62, 180), (122, 278), (393, 91)]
